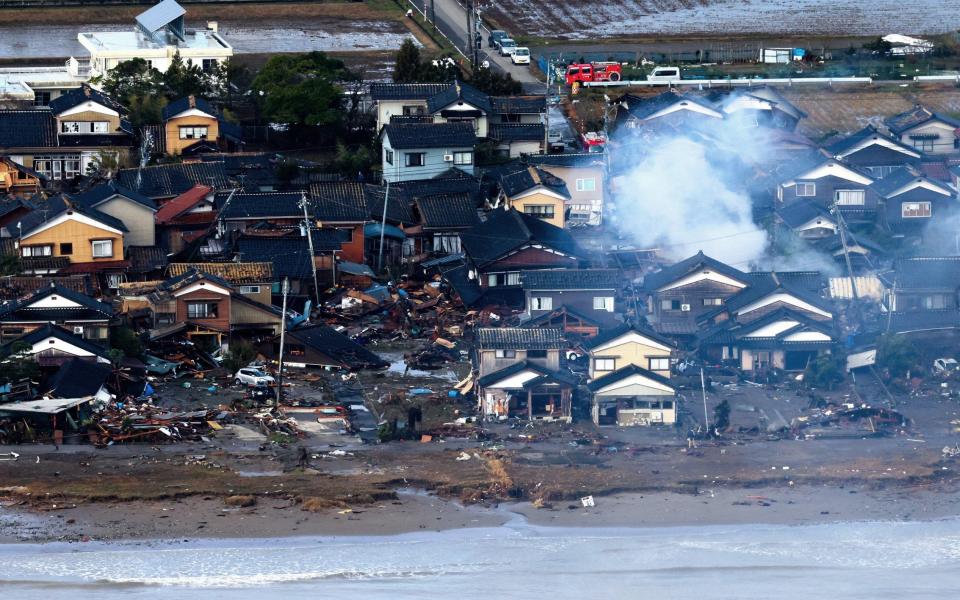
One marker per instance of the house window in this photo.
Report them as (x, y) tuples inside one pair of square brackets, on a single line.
[(201, 310), (66, 249), (541, 211), (32, 251), (414, 111), (95, 333), (541, 303), (924, 144), (604, 364), (114, 280), (659, 364), (603, 303), (84, 127), (912, 210), (806, 189), (850, 197), (41, 98), (513, 278), (446, 243), (415, 159), (58, 166), (388, 156), (249, 289), (587, 185), (936, 302), (463, 158), (346, 235), (193, 133), (208, 65), (506, 354), (496, 279), (102, 248), (670, 305), (713, 301)]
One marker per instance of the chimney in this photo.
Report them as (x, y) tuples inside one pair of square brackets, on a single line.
[(192, 100)]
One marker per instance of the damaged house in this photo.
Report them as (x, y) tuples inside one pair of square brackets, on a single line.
[(519, 374), (321, 346), (923, 300), (578, 300)]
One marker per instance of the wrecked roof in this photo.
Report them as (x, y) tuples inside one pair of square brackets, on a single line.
[(234, 272), (329, 342)]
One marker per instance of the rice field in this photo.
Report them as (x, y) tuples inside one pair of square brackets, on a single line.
[(590, 19)]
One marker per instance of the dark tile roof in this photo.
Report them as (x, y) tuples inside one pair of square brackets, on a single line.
[(447, 211), (565, 160), (765, 284), (82, 94), (27, 129), (927, 272), (643, 107), (901, 177), (265, 205), (733, 331), (468, 289), (628, 371), (519, 338), (398, 205), (290, 255), (89, 308), (406, 91), (167, 181), (802, 212), (340, 202), (545, 375), (49, 330), (611, 334), (99, 193), (326, 340), (515, 132), (20, 286), (401, 119), (924, 320), (78, 378), (572, 279), (515, 105), (410, 136), (457, 92), (183, 104), (452, 181), (918, 115), (507, 230), (144, 259), (854, 139), (517, 182), (654, 281)]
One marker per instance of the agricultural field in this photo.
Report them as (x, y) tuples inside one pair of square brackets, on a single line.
[(592, 19)]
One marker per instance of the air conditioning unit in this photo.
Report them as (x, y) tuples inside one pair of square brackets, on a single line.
[(447, 158), (78, 330), (685, 307)]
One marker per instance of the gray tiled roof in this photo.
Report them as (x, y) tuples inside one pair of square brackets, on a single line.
[(406, 91), (448, 211), (27, 129), (516, 132), (519, 338), (167, 181), (572, 279), (404, 136)]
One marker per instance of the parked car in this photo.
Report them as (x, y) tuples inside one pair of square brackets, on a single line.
[(520, 56), (248, 376), (506, 46), (664, 74), (495, 36)]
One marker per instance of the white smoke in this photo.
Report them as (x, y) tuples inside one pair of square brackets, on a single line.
[(675, 199)]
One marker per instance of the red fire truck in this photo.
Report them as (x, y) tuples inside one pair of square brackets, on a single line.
[(589, 72)]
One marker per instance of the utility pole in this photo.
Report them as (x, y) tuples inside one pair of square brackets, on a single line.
[(313, 265), (546, 112), (703, 389), (283, 335), (383, 227)]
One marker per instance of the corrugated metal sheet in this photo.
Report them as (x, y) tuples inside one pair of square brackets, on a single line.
[(867, 287)]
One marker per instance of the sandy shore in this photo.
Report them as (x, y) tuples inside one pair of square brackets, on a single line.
[(208, 518)]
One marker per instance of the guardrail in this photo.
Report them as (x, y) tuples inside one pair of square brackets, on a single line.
[(436, 28), (955, 78), (729, 82)]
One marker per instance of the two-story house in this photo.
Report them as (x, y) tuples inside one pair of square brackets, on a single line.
[(185, 218), (874, 152), (421, 150), (403, 99), (519, 374), (912, 200), (192, 125), (52, 346), (440, 219), (679, 294), (514, 140), (18, 180), (133, 209), (585, 178), (54, 304), (509, 242), (924, 299), (761, 106), (592, 293), (521, 110), (667, 110), (535, 192), (927, 131), (254, 280), (832, 183), (162, 183)]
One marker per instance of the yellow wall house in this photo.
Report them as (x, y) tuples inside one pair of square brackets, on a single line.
[(626, 345), (17, 179), (60, 237), (189, 121), (537, 193)]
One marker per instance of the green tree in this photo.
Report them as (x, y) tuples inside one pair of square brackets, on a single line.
[(146, 109), (126, 340), (238, 356), (10, 264), (301, 89), (350, 162), (825, 372), (491, 82), (897, 355), (130, 78), (103, 165), (183, 78), (17, 364), (406, 68)]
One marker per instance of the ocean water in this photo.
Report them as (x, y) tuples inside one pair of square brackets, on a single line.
[(854, 560)]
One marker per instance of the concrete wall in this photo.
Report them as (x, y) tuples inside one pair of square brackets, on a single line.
[(138, 219)]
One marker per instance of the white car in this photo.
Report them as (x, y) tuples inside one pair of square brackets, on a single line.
[(520, 56), (248, 376)]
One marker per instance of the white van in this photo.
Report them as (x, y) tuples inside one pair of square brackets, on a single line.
[(664, 74), (520, 56)]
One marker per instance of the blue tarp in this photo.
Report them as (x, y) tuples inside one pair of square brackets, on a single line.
[(373, 230)]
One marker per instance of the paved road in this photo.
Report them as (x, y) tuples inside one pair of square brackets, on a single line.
[(452, 21)]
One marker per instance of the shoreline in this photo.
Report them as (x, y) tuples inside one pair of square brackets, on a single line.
[(195, 519)]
